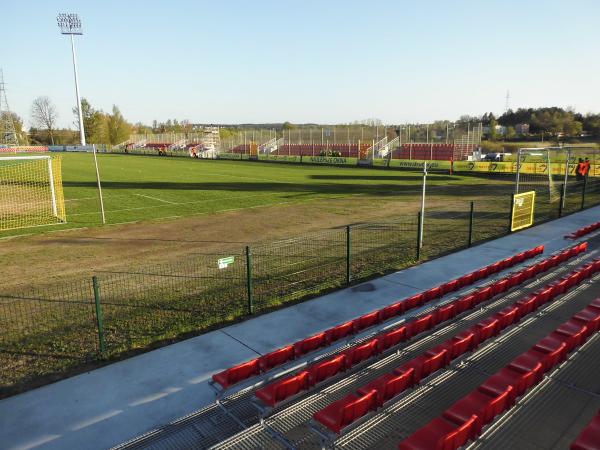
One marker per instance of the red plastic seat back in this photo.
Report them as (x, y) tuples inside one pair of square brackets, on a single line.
[(444, 313), (327, 369), (392, 337), (420, 324), (413, 302), (362, 352), (309, 344), (237, 373), (465, 303), (339, 332), (276, 358), (366, 321), (391, 311)]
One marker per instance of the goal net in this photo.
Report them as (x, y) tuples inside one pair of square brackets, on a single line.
[(31, 192), (540, 170)]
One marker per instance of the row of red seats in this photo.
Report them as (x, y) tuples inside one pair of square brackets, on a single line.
[(466, 418), (583, 231), (372, 396), (589, 439), (435, 146), (287, 387), (157, 145), (263, 364)]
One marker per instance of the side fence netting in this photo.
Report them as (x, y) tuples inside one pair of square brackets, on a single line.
[(45, 331), (152, 304)]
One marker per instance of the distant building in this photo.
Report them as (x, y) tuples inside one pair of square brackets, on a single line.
[(522, 128), (500, 130)]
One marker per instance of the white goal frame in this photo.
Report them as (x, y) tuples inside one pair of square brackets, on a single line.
[(51, 182)]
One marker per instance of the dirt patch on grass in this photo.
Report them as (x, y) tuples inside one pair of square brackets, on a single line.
[(74, 254)]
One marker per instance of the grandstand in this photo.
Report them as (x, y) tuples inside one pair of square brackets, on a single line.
[(476, 348), (384, 148), (477, 360), (172, 143)]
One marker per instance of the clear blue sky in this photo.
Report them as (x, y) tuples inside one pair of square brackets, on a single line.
[(328, 61)]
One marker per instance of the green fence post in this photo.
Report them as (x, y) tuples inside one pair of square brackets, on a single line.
[(348, 255), (249, 280), (419, 218), (99, 318), (583, 192), (511, 215), (562, 200), (471, 215)]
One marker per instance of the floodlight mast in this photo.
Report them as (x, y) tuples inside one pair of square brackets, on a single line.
[(71, 24)]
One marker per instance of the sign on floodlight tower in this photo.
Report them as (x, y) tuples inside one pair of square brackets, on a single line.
[(71, 24)]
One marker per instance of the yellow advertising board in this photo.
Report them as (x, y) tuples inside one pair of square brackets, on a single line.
[(522, 210)]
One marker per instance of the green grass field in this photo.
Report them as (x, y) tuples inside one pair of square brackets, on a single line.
[(142, 188)]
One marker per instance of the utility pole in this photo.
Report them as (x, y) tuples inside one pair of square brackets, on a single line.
[(8, 135)]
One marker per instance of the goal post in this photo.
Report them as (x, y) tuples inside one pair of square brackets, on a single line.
[(31, 192)]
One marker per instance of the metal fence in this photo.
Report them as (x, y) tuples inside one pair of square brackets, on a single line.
[(50, 333)]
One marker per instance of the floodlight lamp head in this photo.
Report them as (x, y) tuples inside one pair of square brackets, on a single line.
[(69, 23)]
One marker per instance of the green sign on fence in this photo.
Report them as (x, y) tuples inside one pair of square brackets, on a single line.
[(224, 262)]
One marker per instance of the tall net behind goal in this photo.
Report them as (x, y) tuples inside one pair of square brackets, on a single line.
[(31, 192)]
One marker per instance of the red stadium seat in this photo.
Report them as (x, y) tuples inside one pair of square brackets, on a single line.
[(444, 313), (544, 295), (439, 434), (283, 389), (508, 316), (362, 352), (462, 343), (590, 317), (389, 385), (415, 366), (589, 438), (481, 274), (465, 280), (450, 286), (555, 349), (276, 358), (530, 366), (436, 358), (527, 305), (413, 302), (432, 294), (393, 337), (309, 344), (391, 311), (237, 373), (366, 321), (339, 332), (478, 403), (574, 333), (327, 369), (499, 287), (345, 411), (419, 325), (465, 303), (496, 267), (515, 279), (486, 328), (482, 295)]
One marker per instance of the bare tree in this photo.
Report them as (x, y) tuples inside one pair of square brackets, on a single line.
[(44, 115)]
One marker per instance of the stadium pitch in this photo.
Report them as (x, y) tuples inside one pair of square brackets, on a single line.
[(160, 208)]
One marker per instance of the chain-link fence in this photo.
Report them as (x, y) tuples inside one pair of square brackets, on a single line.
[(53, 332)]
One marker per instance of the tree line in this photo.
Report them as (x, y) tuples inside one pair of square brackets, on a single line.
[(112, 128)]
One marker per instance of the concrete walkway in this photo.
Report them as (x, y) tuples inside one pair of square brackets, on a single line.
[(105, 407)]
